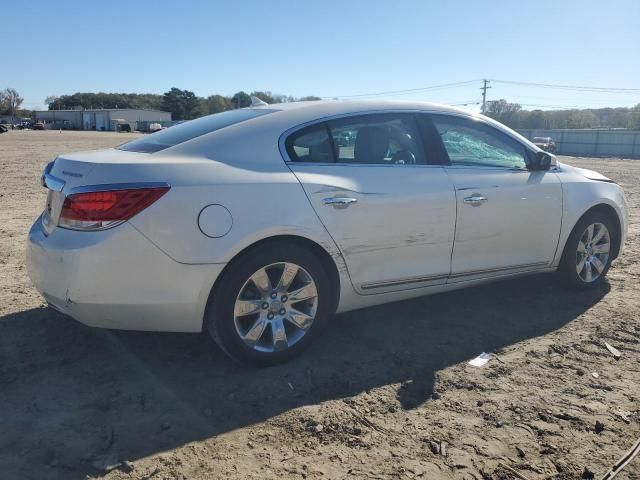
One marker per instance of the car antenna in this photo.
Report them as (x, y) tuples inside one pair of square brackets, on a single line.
[(256, 102)]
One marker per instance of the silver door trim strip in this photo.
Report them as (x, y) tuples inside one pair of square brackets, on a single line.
[(411, 280), (497, 269), (402, 281)]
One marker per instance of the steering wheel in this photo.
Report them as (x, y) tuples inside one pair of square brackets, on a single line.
[(403, 157)]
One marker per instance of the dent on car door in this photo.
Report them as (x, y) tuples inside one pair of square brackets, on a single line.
[(508, 217), (391, 214)]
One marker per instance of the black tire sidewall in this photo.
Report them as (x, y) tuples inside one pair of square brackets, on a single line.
[(220, 317), (568, 267)]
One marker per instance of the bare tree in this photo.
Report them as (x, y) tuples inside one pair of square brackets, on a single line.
[(11, 100)]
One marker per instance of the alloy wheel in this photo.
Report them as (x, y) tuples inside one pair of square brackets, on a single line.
[(276, 307), (592, 254)]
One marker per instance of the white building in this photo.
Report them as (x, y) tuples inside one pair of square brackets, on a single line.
[(99, 119)]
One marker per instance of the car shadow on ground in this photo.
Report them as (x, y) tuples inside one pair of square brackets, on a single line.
[(70, 392)]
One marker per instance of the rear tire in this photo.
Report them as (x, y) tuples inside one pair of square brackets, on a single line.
[(250, 315), (588, 252)]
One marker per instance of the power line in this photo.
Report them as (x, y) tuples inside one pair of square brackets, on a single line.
[(547, 106), (410, 90), (581, 88), (462, 104)]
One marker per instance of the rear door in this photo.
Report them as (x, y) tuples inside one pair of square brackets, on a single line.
[(508, 217), (391, 213)]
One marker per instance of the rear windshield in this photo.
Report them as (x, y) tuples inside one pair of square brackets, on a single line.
[(186, 131)]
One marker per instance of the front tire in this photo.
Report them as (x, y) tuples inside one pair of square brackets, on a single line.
[(269, 304), (588, 252)]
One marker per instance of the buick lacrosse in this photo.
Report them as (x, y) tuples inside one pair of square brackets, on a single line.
[(258, 224)]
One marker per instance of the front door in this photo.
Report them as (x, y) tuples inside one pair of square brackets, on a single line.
[(391, 214), (508, 217)]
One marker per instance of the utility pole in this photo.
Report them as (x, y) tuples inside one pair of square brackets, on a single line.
[(484, 93)]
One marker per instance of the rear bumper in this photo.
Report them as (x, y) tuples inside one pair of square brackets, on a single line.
[(118, 279)]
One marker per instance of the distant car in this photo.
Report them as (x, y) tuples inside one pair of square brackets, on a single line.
[(124, 127), (254, 226), (3, 128), (155, 127), (344, 139), (38, 126), (545, 143), (24, 126)]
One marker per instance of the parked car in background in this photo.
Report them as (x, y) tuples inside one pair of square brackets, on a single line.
[(256, 226), (545, 143), (344, 139), (124, 127), (3, 128), (38, 126)]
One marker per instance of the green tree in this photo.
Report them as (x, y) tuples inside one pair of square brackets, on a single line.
[(504, 112), (534, 119), (581, 119), (218, 103), (634, 118), (241, 100), (183, 104)]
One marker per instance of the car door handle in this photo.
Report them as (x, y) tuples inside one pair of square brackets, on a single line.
[(476, 200), (339, 202)]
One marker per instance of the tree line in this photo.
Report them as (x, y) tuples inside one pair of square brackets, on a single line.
[(186, 105), (183, 104), (514, 116)]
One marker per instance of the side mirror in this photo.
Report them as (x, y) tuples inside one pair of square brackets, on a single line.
[(542, 161)]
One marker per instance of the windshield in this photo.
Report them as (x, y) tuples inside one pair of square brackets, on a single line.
[(186, 131)]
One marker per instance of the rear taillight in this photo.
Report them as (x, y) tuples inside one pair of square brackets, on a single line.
[(106, 207)]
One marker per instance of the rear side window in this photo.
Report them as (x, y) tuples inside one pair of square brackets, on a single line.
[(189, 130), (378, 139), (310, 145)]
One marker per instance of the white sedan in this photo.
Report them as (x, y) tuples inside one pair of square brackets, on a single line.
[(258, 224)]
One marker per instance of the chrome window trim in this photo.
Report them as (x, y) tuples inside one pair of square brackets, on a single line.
[(284, 135), (487, 167), (109, 187), (359, 165)]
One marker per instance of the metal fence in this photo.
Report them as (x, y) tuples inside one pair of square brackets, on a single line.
[(592, 143)]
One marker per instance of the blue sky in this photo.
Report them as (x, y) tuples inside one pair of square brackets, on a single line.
[(328, 48)]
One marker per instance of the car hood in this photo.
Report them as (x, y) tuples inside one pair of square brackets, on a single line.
[(590, 174)]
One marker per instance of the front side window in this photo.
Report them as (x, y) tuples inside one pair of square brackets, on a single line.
[(472, 143), (378, 139)]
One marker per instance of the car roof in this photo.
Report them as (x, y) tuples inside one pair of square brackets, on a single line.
[(318, 108), (283, 118)]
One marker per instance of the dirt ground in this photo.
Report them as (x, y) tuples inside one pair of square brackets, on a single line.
[(385, 394)]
